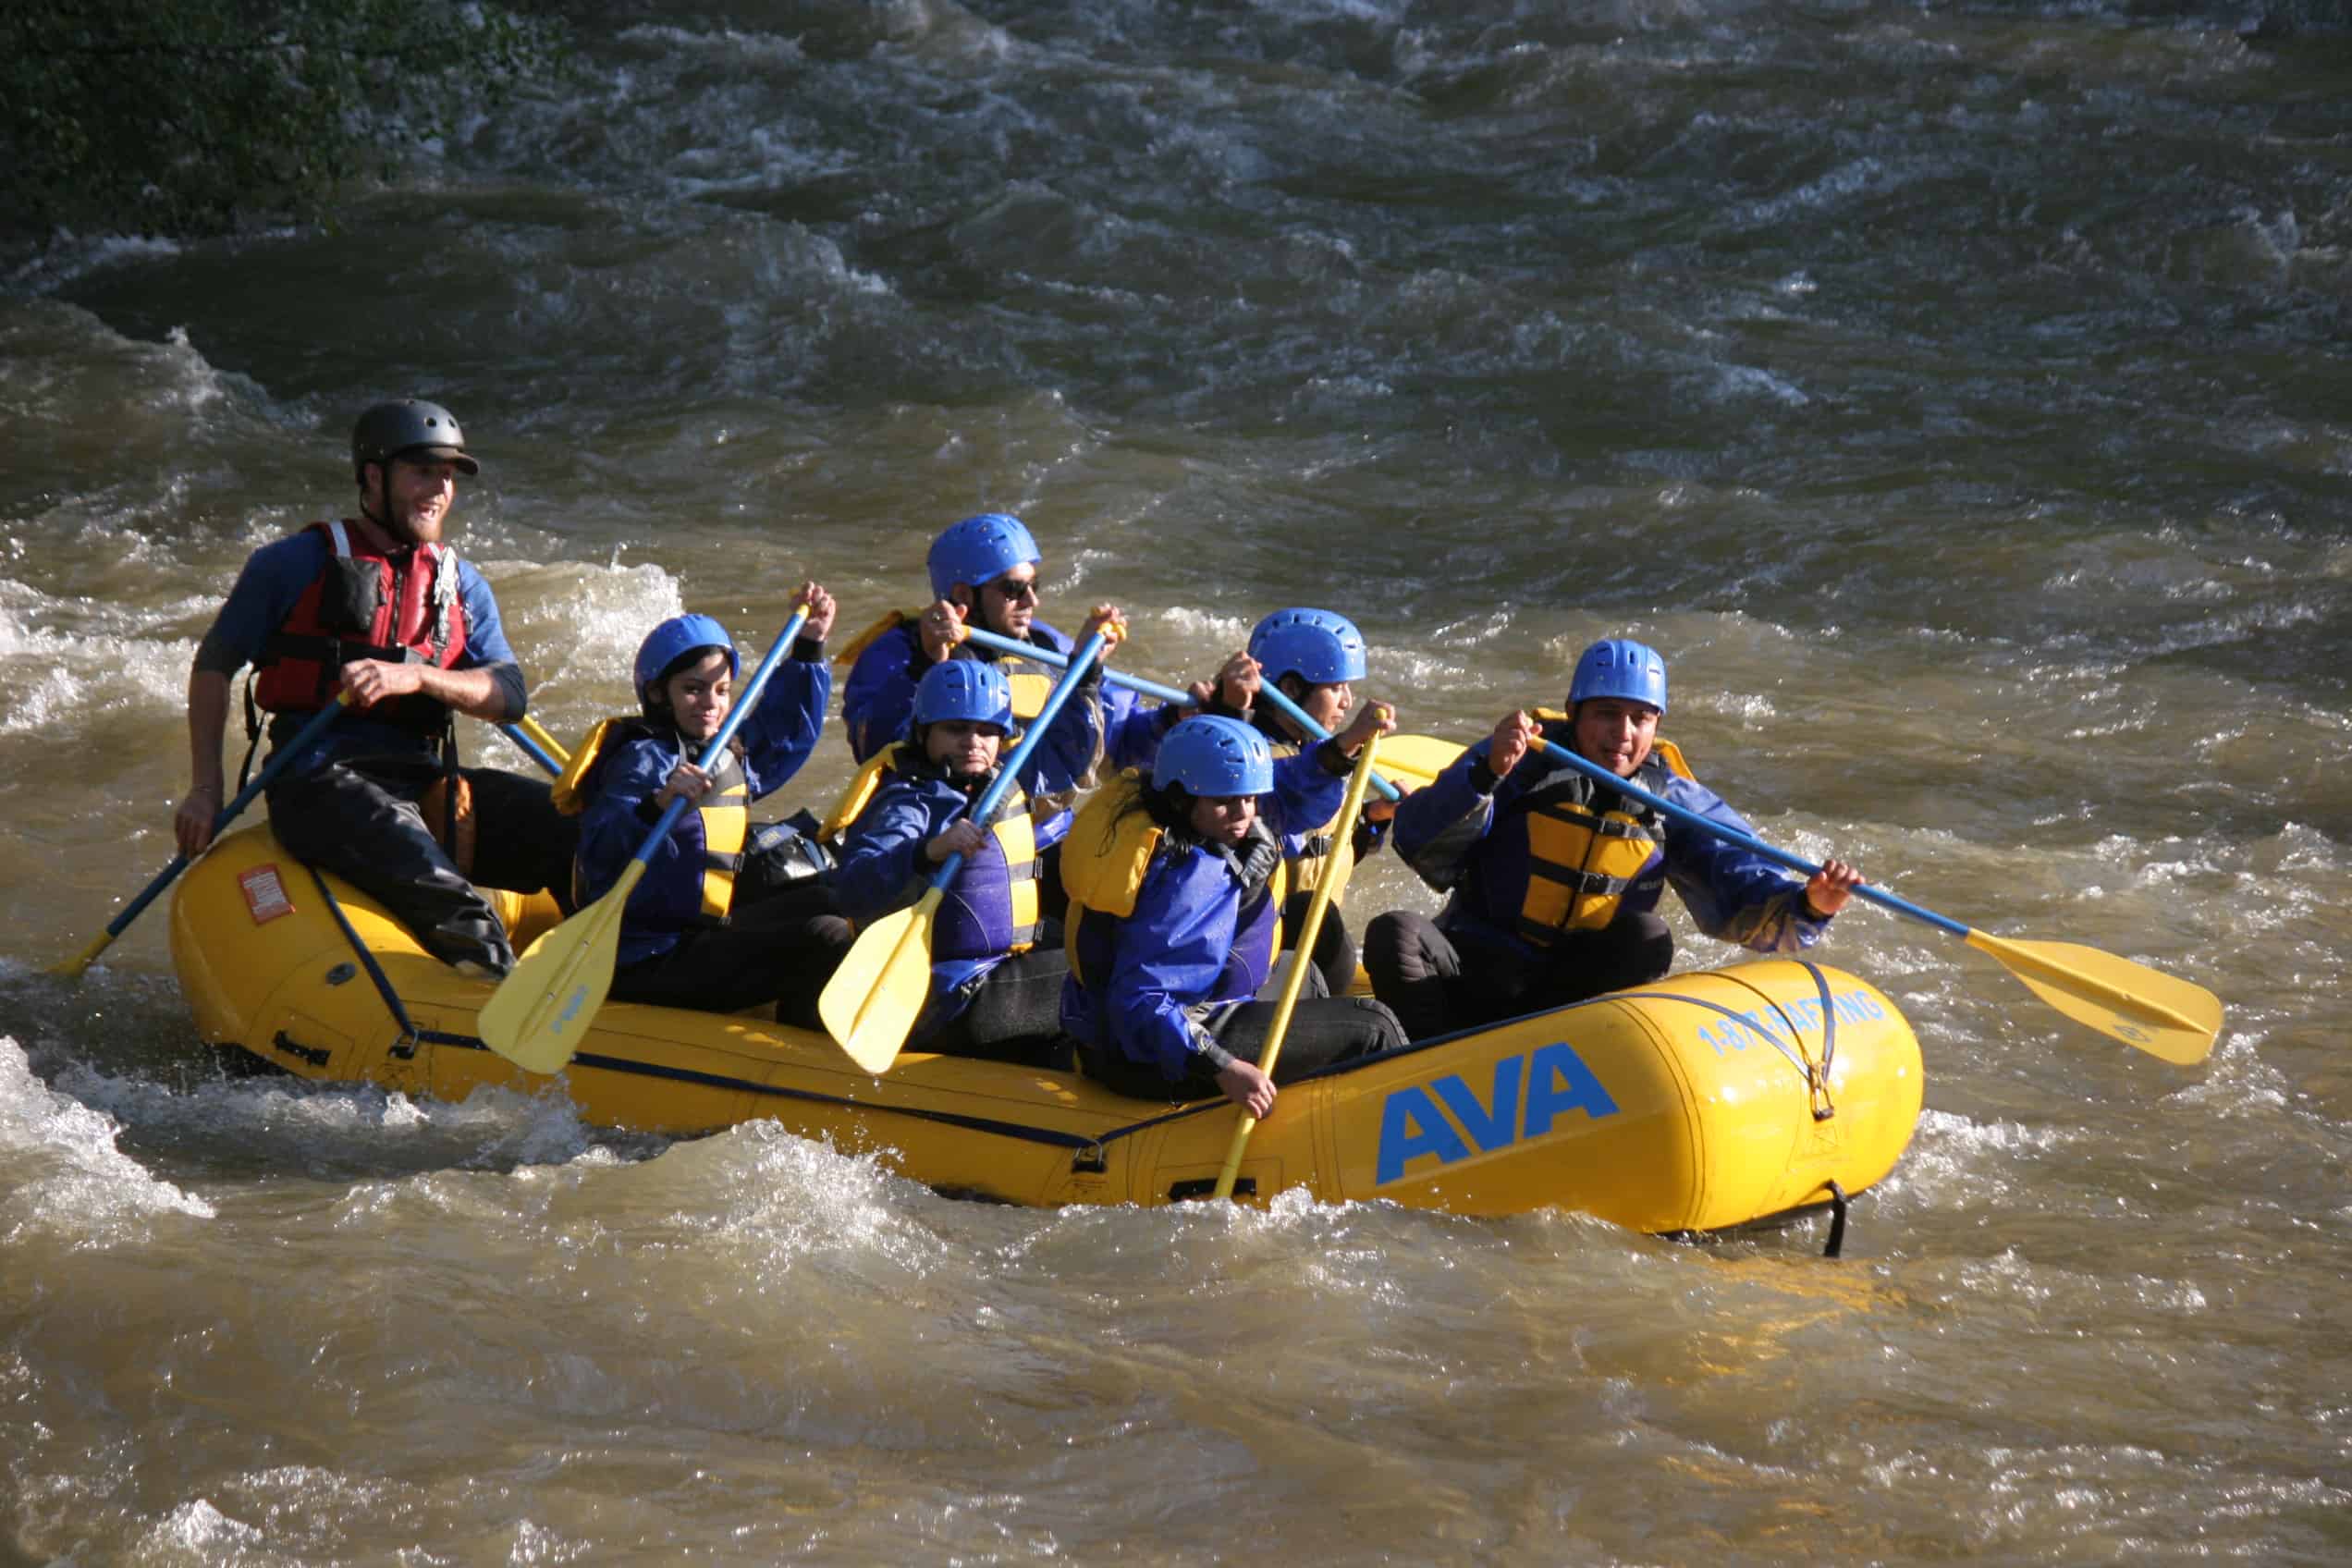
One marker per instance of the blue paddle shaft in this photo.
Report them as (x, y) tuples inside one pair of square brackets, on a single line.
[(1074, 668), (278, 758), (530, 747), (1732, 834), (734, 721), (1288, 708), (1044, 654)]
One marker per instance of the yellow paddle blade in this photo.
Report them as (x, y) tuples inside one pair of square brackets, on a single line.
[(1410, 762), (538, 1013), (72, 968), (880, 989), (2156, 1012)]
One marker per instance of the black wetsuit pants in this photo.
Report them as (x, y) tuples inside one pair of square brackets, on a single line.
[(1436, 985), (1324, 1030), (357, 818), (1335, 948), (781, 947), (1015, 1015)]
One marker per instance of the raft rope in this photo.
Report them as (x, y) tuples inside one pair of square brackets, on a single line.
[(1816, 1076), (1090, 1150), (410, 1036)]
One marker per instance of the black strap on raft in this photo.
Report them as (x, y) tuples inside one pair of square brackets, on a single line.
[(253, 735), (1838, 1203), (449, 771), (410, 1036)]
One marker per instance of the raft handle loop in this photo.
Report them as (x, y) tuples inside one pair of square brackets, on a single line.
[(1817, 1075), (1091, 1160), (1839, 1204)]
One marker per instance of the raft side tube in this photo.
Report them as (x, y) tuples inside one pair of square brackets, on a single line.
[(1678, 1106)]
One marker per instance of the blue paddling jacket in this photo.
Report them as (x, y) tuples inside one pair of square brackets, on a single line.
[(1167, 935), (877, 705), (688, 880), (1547, 850), (989, 910)]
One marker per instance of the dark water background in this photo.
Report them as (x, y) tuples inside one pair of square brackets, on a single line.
[(1959, 394)]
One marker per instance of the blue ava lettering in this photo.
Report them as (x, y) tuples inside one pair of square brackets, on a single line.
[(1555, 1080)]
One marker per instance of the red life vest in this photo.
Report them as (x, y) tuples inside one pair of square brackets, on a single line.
[(401, 607)]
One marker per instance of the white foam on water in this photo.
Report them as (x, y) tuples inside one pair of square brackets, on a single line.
[(198, 1527), (55, 666), (727, 46), (577, 627), (1961, 1166), (336, 1127), (782, 1198), (1206, 626), (63, 1174)]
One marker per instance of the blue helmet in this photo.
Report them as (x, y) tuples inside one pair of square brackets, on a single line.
[(978, 550), (966, 689), (673, 640), (1213, 755), (1619, 667), (1315, 645)]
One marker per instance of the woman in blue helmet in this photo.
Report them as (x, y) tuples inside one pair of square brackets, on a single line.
[(1555, 878), (1175, 894), (1314, 657), (997, 963), (690, 937)]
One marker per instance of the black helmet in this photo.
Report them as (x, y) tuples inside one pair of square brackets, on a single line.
[(405, 429)]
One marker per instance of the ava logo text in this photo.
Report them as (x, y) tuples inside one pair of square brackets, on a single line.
[(1555, 1080)]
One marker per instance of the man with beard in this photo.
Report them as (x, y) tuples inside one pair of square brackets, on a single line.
[(376, 609)]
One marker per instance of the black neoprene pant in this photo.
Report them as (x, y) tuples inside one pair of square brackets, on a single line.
[(1323, 1030), (357, 818), (1016, 1016), (782, 950), (1436, 985), (1335, 948)]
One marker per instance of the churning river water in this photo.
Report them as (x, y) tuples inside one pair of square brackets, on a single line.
[(1960, 395)]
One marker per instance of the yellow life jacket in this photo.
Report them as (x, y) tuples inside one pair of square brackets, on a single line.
[(723, 816), (848, 653), (1581, 862), (1107, 854), (1326, 855), (1012, 929), (855, 796)]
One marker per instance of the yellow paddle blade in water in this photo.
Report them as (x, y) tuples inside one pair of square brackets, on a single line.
[(2156, 1012), (1411, 761), (880, 989), (539, 1011)]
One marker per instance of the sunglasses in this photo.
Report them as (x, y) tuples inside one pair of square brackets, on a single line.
[(1013, 593)]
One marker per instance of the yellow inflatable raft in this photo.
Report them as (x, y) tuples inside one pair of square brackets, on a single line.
[(1702, 1102)]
